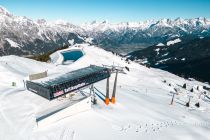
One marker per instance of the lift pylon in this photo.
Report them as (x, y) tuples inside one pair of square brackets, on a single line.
[(107, 92), (114, 88)]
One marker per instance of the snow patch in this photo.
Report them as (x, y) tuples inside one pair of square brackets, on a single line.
[(165, 54), (160, 44), (173, 41), (157, 50), (80, 37), (161, 61), (12, 43), (204, 31), (71, 42), (89, 40)]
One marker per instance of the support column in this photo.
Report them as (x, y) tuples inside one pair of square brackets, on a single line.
[(90, 87), (93, 95), (107, 92), (114, 89), (172, 100)]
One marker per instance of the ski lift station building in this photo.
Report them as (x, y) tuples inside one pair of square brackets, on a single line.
[(70, 82)]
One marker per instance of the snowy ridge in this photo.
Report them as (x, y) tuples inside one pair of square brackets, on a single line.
[(143, 25), (4, 11), (34, 36), (142, 110), (160, 44)]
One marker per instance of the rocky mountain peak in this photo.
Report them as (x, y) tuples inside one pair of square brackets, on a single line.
[(4, 11)]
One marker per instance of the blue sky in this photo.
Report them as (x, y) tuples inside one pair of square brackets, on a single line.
[(79, 11)]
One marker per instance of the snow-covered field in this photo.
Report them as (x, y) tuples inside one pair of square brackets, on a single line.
[(142, 109)]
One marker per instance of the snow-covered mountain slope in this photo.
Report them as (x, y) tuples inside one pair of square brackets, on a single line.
[(189, 58), (142, 110), (35, 37), (129, 36), (183, 24)]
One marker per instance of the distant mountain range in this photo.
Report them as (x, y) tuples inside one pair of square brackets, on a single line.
[(187, 58), (23, 36), (142, 34)]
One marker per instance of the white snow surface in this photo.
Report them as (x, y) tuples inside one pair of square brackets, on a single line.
[(163, 60), (142, 109), (157, 50), (173, 41), (183, 59), (12, 43), (71, 42), (160, 44)]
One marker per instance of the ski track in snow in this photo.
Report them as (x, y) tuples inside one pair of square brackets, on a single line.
[(67, 134), (157, 127)]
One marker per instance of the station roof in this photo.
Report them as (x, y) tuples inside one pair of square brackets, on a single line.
[(73, 75)]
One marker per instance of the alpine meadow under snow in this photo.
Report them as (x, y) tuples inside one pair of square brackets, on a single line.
[(142, 109)]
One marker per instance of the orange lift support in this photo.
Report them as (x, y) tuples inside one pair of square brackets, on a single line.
[(113, 69)]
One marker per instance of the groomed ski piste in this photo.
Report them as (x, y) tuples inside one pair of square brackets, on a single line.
[(142, 109)]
